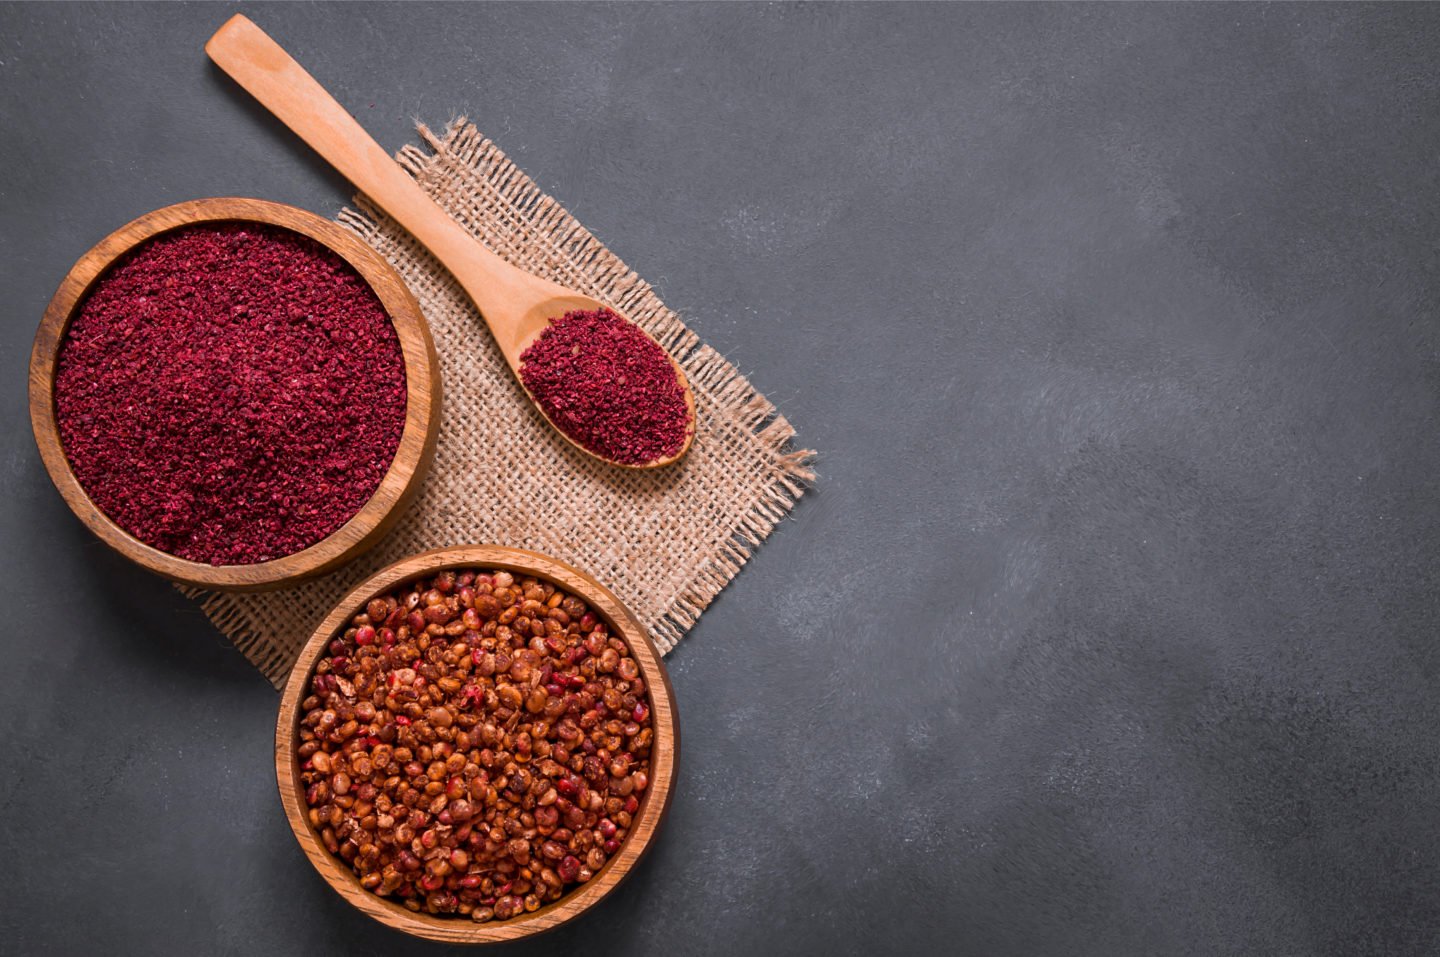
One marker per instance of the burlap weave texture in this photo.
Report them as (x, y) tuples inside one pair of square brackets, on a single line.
[(665, 541)]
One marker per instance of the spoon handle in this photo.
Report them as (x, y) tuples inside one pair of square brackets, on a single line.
[(283, 87)]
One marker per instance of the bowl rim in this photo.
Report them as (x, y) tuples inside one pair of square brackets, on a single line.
[(422, 381), (654, 806)]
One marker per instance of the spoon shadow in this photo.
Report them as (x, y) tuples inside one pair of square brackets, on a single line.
[(278, 134)]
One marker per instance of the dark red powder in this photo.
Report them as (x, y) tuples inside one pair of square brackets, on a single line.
[(230, 393), (608, 386)]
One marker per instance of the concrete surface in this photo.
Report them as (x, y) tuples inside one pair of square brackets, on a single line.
[(1111, 627)]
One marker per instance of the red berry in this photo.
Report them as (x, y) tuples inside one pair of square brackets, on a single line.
[(365, 636), (641, 712), (401, 720)]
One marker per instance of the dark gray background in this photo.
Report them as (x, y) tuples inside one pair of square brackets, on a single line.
[(1111, 625)]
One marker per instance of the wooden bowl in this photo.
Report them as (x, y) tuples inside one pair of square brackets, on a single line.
[(422, 411), (654, 804)]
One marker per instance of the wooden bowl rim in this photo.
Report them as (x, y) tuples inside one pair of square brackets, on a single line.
[(422, 380), (653, 806)]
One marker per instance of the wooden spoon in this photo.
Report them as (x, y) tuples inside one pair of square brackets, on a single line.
[(516, 305)]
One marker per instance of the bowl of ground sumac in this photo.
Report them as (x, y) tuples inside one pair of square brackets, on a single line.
[(234, 393), (477, 744)]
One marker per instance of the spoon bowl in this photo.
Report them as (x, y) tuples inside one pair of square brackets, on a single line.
[(538, 318), (516, 305)]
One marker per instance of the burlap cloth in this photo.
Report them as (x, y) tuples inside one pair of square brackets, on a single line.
[(665, 541)]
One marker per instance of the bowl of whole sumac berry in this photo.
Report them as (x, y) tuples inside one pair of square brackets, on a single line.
[(477, 744)]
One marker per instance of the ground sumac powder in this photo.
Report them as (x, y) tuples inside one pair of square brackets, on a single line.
[(230, 393), (608, 386)]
